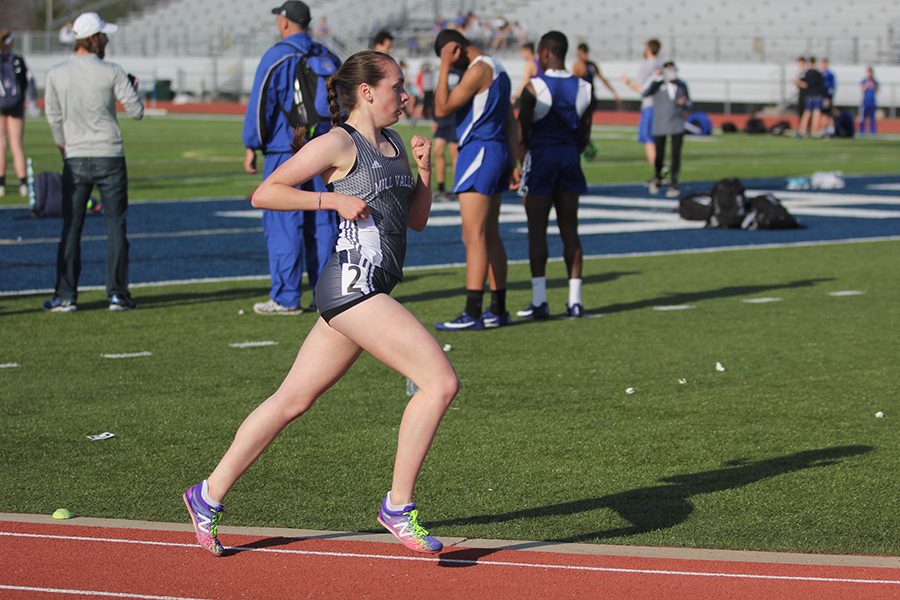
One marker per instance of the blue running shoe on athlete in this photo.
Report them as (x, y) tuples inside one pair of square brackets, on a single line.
[(404, 525), (535, 312), (205, 517), (575, 310), (463, 322), (492, 320), (57, 304)]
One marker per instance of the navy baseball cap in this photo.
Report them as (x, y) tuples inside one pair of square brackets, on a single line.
[(294, 10)]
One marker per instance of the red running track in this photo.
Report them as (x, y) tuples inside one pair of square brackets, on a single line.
[(58, 561)]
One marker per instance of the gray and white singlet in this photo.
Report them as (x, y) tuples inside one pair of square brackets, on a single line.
[(370, 252)]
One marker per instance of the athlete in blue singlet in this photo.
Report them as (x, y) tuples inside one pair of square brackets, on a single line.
[(487, 145), (555, 117)]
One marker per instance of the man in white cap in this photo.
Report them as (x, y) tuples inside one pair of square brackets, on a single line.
[(80, 103)]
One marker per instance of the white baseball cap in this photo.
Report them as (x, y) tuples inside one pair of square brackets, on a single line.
[(90, 23)]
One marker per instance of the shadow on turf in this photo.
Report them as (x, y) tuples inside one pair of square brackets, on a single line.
[(649, 508), (725, 292), (559, 282)]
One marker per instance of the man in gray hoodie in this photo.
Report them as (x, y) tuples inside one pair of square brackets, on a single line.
[(670, 103), (80, 103)]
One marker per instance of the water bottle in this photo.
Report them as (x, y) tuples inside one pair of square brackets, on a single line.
[(411, 388)]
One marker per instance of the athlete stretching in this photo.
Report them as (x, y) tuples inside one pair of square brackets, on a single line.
[(487, 145), (370, 185)]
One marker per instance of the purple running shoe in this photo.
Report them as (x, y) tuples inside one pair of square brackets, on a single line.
[(404, 525), (205, 517)]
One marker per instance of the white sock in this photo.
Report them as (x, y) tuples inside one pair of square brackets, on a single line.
[(204, 492), (538, 290), (574, 292), (394, 507)]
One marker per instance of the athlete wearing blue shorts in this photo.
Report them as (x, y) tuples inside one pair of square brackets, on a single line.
[(555, 118), (487, 140), (371, 187), (649, 68)]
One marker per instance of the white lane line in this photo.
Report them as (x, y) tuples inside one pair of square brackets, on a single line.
[(846, 293), (127, 355), (462, 561), (760, 300), (9, 365), (45, 590), (522, 261), (673, 307), (252, 344), (139, 236)]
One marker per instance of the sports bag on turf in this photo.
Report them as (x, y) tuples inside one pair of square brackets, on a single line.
[(695, 207), (767, 212), (47, 195), (12, 75), (729, 207), (309, 102)]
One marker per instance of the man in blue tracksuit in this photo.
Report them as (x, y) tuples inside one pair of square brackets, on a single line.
[(266, 128)]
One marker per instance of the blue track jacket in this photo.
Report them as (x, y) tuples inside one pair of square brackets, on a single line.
[(279, 92)]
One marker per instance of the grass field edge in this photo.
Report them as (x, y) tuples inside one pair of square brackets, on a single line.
[(656, 552)]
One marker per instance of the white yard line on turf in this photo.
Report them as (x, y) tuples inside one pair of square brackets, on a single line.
[(673, 307), (46, 590), (760, 300), (9, 365), (846, 293), (128, 355), (710, 250), (252, 344), (462, 561)]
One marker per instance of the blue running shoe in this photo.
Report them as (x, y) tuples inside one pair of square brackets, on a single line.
[(404, 525), (205, 517), (119, 303), (57, 304), (463, 322), (535, 312), (492, 320), (575, 311)]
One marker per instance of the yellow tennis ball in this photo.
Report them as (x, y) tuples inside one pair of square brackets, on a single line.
[(62, 513)]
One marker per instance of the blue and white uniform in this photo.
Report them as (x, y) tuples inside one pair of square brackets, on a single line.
[(288, 233), (484, 163), (553, 160)]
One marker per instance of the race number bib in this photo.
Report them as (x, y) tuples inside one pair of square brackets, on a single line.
[(354, 280)]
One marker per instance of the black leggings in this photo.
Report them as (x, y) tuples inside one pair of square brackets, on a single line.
[(660, 142)]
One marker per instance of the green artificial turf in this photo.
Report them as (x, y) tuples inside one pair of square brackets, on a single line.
[(782, 451), (185, 157)]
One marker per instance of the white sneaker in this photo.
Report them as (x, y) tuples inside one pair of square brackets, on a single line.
[(270, 307), (673, 192), (23, 190), (2, 190)]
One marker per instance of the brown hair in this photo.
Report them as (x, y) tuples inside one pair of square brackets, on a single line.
[(362, 67), (654, 46)]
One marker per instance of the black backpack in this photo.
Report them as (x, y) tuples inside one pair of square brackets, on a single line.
[(767, 212), (47, 195), (309, 104), (755, 125), (12, 81), (695, 207), (728, 204)]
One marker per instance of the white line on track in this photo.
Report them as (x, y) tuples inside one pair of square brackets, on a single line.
[(147, 235), (46, 590), (462, 561)]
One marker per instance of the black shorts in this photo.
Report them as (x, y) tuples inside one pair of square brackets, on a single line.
[(17, 112), (348, 279), (446, 129)]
